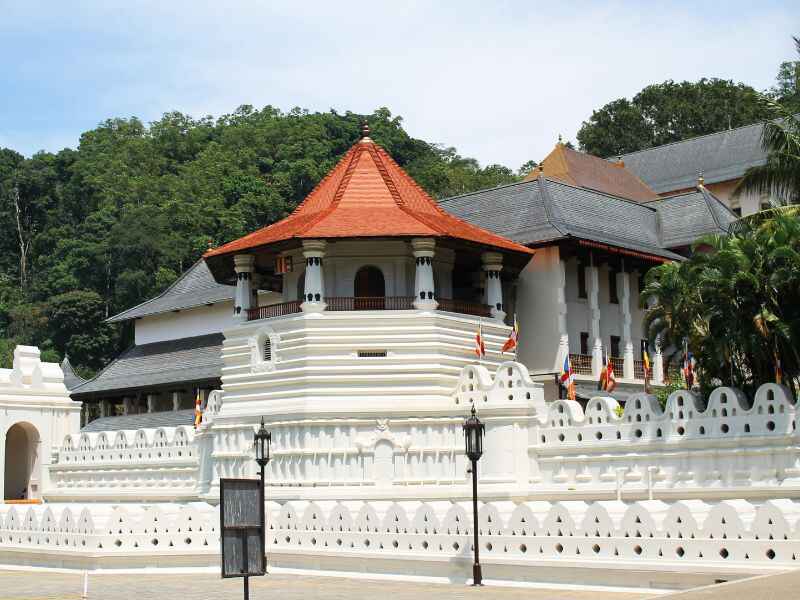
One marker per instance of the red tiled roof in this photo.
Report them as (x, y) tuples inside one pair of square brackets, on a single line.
[(367, 194), (584, 170)]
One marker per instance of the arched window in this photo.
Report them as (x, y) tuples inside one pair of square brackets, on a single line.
[(370, 289)]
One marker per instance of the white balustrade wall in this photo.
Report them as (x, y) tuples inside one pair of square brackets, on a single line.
[(728, 448), (146, 464), (667, 544)]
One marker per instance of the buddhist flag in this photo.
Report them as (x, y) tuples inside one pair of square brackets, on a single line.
[(511, 342), (567, 378), (602, 383), (611, 381), (778, 370), (480, 347), (688, 366), (198, 412), (646, 365)]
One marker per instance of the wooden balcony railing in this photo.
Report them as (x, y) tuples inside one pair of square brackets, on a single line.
[(581, 364), (638, 369), (619, 366), (349, 303), (339, 303), (274, 310), (464, 308)]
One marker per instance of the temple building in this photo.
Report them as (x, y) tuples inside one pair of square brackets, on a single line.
[(175, 356), (722, 158), (359, 332)]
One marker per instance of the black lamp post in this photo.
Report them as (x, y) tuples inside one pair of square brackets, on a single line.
[(261, 442), (473, 437)]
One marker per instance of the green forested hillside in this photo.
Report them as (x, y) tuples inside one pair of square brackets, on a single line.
[(86, 233)]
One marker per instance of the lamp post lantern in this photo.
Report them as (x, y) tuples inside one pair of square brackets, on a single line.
[(261, 441), (473, 438)]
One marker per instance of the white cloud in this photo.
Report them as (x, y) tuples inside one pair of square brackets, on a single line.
[(499, 81)]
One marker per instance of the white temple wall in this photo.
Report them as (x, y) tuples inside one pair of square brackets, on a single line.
[(538, 310), (648, 544), (35, 412), (343, 259), (191, 322)]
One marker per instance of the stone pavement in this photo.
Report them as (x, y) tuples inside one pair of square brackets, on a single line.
[(41, 585), (782, 586)]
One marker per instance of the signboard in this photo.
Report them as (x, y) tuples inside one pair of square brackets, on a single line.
[(241, 515)]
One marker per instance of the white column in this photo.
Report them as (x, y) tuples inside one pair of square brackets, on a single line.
[(314, 253), (151, 402), (243, 300), (658, 358), (176, 400), (126, 406), (561, 301), (624, 285), (3, 461), (593, 291), (103, 409), (492, 265), (424, 249)]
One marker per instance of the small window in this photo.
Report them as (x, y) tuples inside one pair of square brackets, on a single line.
[(584, 342), (640, 281), (615, 346), (581, 280), (267, 349), (372, 354), (612, 286)]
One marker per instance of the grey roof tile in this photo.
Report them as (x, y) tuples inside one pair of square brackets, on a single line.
[(720, 156), (544, 210), (71, 378), (171, 362), (687, 217), (196, 287), (142, 421)]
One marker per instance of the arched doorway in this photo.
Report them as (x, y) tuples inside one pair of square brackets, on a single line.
[(370, 289), (22, 442)]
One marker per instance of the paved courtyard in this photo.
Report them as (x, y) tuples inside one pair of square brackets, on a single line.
[(45, 585), (18, 585)]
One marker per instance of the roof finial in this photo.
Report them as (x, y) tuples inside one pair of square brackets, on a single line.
[(541, 167), (365, 130), (700, 180), (210, 243), (560, 141)]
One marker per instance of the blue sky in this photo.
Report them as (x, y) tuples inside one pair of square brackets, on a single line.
[(498, 80)]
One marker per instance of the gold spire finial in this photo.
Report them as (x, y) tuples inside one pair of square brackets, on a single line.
[(210, 243), (700, 180), (560, 141), (364, 129)]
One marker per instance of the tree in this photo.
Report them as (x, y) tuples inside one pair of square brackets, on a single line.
[(779, 178), (113, 222), (736, 302), (669, 112), (786, 90)]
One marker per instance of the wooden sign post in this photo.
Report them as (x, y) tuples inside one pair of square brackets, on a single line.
[(241, 515)]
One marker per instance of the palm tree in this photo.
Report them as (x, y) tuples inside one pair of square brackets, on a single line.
[(737, 302), (779, 178)]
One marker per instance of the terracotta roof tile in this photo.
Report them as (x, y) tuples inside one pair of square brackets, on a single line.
[(587, 171), (367, 194)]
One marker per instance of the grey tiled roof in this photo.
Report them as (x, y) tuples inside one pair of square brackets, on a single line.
[(142, 421), (71, 379), (720, 156), (544, 210), (687, 217), (196, 287), (171, 362)]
